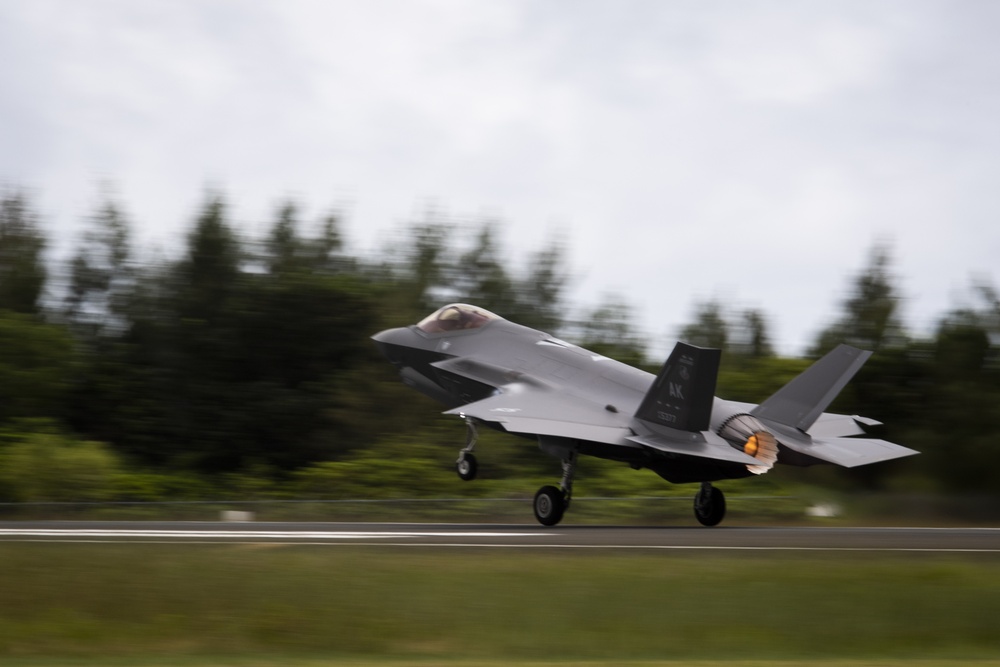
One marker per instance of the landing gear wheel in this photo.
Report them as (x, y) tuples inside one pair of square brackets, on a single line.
[(709, 505), (550, 504), (466, 467)]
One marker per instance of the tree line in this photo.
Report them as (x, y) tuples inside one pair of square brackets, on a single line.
[(246, 361)]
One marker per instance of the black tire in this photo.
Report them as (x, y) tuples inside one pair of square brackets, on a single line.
[(549, 505), (467, 467), (712, 512)]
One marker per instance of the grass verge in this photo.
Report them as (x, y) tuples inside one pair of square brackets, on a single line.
[(139, 603)]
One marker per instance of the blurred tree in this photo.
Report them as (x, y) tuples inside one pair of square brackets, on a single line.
[(287, 250), (22, 268), (990, 314), (538, 297), (301, 332), (283, 247), (226, 367), (892, 386), (709, 328), (421, 274), (870, 318), (209, 274), (326, 250), (750, 336), (480, 277), (100, 273), (221, 362), (36, 363), (157, 390), (609, 330), (983, 314), (963, 397)]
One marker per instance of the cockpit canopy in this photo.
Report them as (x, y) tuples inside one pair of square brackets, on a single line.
[(456, 317)]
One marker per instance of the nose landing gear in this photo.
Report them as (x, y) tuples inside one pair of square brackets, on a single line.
[(466, 466)]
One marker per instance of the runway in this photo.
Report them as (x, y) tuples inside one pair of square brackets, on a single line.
[(514, 536)]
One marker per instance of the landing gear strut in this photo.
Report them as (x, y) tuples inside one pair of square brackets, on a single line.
[(552, 502), (466, 465), (709, 505)]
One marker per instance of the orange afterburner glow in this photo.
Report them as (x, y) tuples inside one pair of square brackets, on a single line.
[(746, 433)]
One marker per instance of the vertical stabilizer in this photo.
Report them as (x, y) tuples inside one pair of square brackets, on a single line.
[(800, 402), (682, 395)]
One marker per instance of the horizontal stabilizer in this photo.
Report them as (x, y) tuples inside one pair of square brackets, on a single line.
[(682, 395), (853, 452), (800, 402), (830, 425)]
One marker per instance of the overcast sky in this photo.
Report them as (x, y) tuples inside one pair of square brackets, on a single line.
[(751, 151)]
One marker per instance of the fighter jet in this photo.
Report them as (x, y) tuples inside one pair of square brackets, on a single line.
[(490, 371)]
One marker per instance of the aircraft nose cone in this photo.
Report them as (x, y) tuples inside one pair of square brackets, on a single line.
[(392, 336), (393, 342)]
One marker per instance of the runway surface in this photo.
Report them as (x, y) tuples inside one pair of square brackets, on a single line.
[(514, 536)]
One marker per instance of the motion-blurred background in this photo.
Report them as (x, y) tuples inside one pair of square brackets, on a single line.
[(208, 208)]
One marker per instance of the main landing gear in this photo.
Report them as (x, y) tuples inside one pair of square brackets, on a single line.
[(709, 505), (466, 465), (552, 502)]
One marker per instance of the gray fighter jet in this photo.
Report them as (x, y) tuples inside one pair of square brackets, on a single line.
[(491, 371)]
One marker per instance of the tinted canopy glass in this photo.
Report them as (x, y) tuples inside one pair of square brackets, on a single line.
[(456, 317)]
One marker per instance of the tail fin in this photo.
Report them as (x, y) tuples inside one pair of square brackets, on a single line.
[(682, 395), (800, 402)]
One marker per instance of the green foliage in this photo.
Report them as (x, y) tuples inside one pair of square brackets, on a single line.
[(539, 294), (752, 338), (709, 328), (36, 360), (870, 318), (141, 486), (221, 367), (741, 335), (369, 476), (247, 362), (609, 330), (481, 277), (100, 273), (754, 379), (22, 270), (38, 463)]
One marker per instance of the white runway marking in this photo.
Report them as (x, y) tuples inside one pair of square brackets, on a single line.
[(249, 534), (486, 545)]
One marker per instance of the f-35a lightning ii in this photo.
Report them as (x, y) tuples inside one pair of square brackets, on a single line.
[(491, 371)]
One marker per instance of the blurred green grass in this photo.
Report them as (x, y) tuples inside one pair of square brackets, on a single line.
[(146, 602)]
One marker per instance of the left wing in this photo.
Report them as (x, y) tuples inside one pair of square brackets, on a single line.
[(521, 407)]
